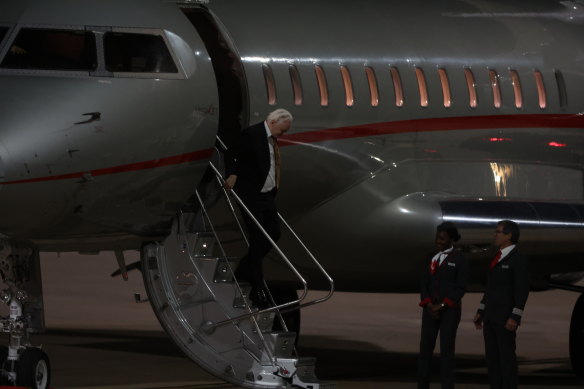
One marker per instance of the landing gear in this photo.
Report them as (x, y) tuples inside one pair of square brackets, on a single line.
[(33, 369), (21, 364), (577, 337)]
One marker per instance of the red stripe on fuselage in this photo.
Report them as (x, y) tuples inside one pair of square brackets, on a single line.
[(437, 124), (166, 161), (384, 128)]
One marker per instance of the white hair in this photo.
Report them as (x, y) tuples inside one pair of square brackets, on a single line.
[(280, 115)]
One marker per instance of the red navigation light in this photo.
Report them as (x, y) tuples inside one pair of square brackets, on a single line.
[(430, 151), (500, 139), (556, 144)]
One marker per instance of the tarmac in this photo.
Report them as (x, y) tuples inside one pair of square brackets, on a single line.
[(98, 337)]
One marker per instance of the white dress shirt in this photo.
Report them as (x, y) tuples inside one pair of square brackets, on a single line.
[(441, 256), (505, 252)]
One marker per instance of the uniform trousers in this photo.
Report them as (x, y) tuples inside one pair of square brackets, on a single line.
[(447, 326), (263, 208), (500, 353)]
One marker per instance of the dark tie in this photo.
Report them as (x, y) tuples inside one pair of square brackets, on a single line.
[(495, 260), (274, 143)]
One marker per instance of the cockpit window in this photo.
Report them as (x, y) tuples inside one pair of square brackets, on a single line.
[(45, 49), (3, 31), (137, 53)]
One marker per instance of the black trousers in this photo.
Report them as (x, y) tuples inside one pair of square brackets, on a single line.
[(263, 208), (500, 353), (446, 325)]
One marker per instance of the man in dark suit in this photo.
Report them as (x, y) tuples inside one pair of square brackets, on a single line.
[(253, 172), (442, 286), (501, 308)]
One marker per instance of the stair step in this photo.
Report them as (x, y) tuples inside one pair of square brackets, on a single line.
[(204, 244), (305, 376), (280, 343), (302, 372), (265, 321), (224, 270), (241, 301)]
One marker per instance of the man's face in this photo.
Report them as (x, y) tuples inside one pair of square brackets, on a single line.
[(279, 128), (501, 239)]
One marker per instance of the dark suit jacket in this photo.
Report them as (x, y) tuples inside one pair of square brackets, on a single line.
[(507, 289), (249, 160), (448, 284)]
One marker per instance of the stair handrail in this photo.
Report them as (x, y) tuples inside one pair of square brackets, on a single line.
[(290, 306), (233, 213), (223, 146), (189, 251), (306, 249), (316, 262), (280, 252)]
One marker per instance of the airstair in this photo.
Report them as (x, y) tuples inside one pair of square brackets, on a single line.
[(191, 286)]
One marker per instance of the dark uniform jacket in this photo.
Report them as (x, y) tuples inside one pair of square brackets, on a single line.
[(507, 289), (249, 160), (448, 284)]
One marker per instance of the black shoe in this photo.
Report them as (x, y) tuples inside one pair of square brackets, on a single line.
[(259, 299)]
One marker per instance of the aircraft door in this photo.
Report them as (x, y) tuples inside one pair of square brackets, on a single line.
[(229, 73)]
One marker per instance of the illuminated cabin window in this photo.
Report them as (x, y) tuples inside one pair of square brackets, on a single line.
[(422, 88), (270, 84), (562, 91), (3, 31), (397, 87), (46, 49), (348, 85), (445, 87), (472, 88), (322, 85), (516, 88), (495, 87), (373, 90), (542, 97), (296, 84)]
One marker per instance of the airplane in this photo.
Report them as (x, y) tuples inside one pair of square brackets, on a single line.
[(116, 115)]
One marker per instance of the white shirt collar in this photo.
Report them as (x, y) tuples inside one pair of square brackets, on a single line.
[(441, 255), (268, 132), (506, 251)]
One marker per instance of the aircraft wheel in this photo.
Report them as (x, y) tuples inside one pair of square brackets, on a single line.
[(33, 369), (3, 358), (577, 337), (292, 319)]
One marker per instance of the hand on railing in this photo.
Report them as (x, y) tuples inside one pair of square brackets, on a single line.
[(229, 183)]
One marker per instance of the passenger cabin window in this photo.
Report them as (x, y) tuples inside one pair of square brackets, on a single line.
[(349, 97), (540, 89), (137, 53), (562, 91), (445, 87), (494, 79), (322, 85), (472, 88), (3, 31), (516, 88), (46, 49), (296, 85), (270, 84), (373, 90), (397, 87), (422, 88)]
